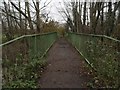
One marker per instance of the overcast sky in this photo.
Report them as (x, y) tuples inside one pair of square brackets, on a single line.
[(54, 14), (51, 8)]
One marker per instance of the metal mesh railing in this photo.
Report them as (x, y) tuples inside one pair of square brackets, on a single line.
[(22, 51), (102, 53)]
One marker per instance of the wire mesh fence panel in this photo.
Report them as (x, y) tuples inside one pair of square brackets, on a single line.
[(103, 54), (18, 53), (38, 44)]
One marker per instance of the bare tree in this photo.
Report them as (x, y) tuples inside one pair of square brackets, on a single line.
[(7, 11), (84, 15)]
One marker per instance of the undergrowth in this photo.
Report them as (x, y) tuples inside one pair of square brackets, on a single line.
[(103, 55), (23, 75)]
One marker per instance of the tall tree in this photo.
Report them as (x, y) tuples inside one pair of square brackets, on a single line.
[(7, 11), (37, 8), (109, 18), (84, 15), (29, 16)]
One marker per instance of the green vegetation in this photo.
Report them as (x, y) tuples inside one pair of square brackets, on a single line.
[(24, 59), (23, 75), (101, 53)]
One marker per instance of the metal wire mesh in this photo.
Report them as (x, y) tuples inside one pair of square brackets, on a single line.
[(20, 51), (101, 52)]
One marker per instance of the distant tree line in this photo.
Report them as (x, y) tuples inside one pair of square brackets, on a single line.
[(20, 18), (93, 17)]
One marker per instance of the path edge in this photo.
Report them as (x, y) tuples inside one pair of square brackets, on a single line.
[(48, 48), (86, 60)]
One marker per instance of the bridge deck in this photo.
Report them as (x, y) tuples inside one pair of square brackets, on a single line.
[(66, 68)]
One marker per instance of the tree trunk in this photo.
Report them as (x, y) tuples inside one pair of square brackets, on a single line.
[(37, 16), (109, 21), (102, 20), (29, 16), (84, 15), (8, 33)]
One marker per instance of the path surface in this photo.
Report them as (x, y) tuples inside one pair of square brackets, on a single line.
[(66, 69)]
